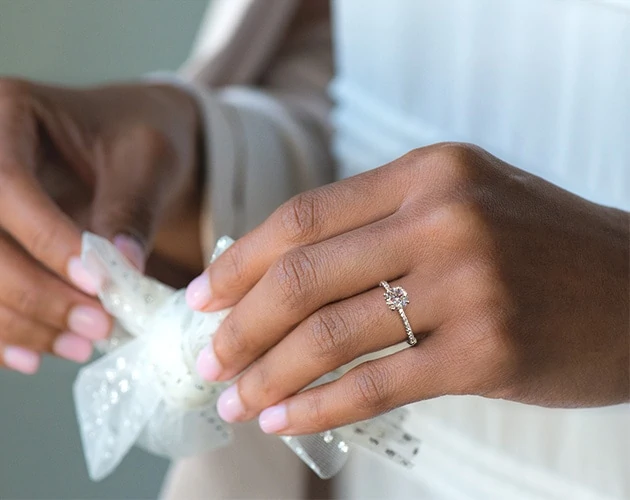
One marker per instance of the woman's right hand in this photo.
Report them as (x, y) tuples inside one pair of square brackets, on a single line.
[(115, 160)]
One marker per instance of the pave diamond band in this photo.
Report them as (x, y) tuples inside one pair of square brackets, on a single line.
[(397, 299)]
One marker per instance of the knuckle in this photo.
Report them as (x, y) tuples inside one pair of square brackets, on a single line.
[(256, 387), (316, 415), (25, 301), (461, 162), (329, 334), (151, 140), (371, 388), (229, 269), (414, 156), (451, 167), (454, 164), (300, 218), (230, 341), (459, 153), (295, 277), (42, 240)]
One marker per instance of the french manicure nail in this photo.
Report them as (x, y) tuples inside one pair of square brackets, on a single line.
[(82, 278), (229, 405), (208, 365), (198, 292), (273, 419), (131, 248), (21, 360), (72, 347), (89, 322)]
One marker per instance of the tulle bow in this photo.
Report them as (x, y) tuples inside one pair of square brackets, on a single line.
[(145, 390)]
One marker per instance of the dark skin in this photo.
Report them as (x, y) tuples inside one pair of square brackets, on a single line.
[(519, 290), (120, 160)]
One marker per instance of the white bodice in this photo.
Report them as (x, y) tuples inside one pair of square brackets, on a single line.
[(544, 85)]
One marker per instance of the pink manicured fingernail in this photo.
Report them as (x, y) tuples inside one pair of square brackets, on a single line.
[(89, 322), (82, 278), (131, 248), (72, 347), (229, 405), (208, 365), (21, 360), (198, 292), (273, 419)]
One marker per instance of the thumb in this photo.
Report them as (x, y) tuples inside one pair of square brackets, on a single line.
[(130, 196), (125, 216)]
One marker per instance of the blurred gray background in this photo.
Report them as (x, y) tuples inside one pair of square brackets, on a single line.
[(78, 42)]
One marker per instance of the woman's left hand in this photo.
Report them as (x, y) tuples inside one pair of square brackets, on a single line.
[(517, 290)]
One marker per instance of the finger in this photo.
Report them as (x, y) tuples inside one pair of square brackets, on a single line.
[(26, 212), (301, 282), (334, 336), (308, 218), (19, 359), (366, 391), (32, 291), (131, 193), (20, 331)]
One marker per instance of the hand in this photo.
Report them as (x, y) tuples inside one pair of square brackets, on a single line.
[(115, 159), (518, 290)]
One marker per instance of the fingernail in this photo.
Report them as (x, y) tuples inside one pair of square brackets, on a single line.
[(131, 248), (208, 365), (229, 405), (72, 347), (273, 419), (21, 360), (198, 292), (89, 322), (82, 278)]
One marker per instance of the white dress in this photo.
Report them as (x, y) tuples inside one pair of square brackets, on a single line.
[(542, 84)]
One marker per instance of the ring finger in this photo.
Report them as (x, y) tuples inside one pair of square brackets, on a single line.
[(332, 337)]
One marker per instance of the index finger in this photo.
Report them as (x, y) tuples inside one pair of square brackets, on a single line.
[(308, 218)]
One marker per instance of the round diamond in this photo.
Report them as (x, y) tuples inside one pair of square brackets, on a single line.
[(396, 298)]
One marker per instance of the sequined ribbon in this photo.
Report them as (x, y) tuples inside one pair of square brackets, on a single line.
[(145, 390)]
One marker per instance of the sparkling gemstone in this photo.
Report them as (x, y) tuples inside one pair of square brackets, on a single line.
[(396, 298)]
